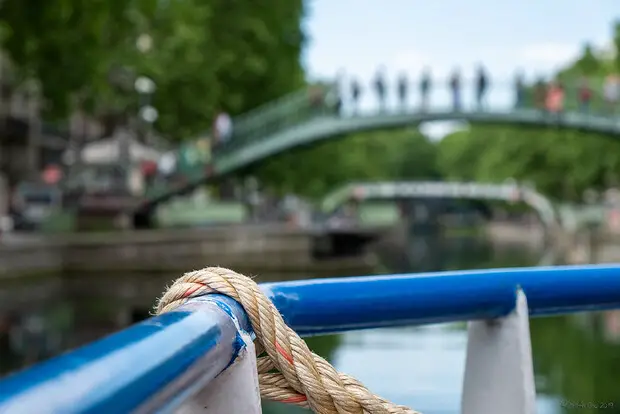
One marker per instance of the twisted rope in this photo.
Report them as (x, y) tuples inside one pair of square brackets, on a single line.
[(289, 372)]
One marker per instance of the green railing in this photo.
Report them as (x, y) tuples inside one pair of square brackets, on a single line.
[(319, 100), (194, 156), (285, 113)]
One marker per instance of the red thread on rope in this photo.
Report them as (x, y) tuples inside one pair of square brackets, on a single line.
[(191, 291), (282, 352), (295, 400)]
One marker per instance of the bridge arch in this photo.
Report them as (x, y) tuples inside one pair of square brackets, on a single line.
[(437, 189), (298, 120), (269, 142)]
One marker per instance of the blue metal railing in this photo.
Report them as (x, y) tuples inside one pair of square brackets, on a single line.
[(150, 367), (323, 306), (157, 364)]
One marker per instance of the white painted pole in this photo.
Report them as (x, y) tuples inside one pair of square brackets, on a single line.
[(499, 375), (233, 391)]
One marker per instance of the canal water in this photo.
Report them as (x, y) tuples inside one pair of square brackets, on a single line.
[(576, 358)]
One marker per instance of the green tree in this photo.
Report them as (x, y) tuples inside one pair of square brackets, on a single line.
[(206, 56), (588, 64), (257, 46), (67, 44), (222, 55), (182, 65), (616, 43), (561, 163), (323, 167)]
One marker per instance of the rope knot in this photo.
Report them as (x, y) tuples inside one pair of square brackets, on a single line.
[(288, 371)]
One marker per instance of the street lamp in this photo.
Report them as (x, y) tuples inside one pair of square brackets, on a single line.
[(144, 43), (147, 113), (145, 85)]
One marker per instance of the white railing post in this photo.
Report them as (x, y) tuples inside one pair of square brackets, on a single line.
[(499, 376), (233, 391)]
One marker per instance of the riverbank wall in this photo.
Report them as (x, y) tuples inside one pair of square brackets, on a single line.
[(130, 269), (260, 248)]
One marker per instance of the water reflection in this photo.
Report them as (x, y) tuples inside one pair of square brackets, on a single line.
[(27, 338), (576, 358), (437, 253)]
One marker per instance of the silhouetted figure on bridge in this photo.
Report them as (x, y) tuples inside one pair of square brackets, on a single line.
[(540, 94), (222, 131), (356, 93), (482, 85), (584, 95), (611, 91), (402, 87), (555, 99), (338, 101), (455, 88), (337, 91), (519, 90), (380, 89), (425, 88), (316, 96)]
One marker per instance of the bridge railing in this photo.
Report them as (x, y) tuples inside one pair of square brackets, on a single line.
[(276, 107), (501, 96), (283, 113), (201, 357), (441, 189), (328, 100)]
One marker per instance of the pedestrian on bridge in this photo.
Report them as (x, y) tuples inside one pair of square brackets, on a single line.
[(540, 94), (455, 87), (318, 98), (403, 88), (555, 98), (584, 95), (379, 84), (337, 91), (425, 87), (356, 93), (222, 129), (482, 84), (519, 90), (611, 90)]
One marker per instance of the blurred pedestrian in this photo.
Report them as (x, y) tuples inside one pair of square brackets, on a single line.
[(455, 88)]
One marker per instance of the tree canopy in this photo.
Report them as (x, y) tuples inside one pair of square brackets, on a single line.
[(205, 56), (561, 163), (318, 169)]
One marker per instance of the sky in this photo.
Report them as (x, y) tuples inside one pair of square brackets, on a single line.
[(355, 37)]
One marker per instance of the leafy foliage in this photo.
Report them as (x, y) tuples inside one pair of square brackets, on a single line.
[(206, 56), (561, 163), (320, 168)]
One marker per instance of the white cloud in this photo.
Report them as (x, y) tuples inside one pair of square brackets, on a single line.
[(548, 53), (410, 60)]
